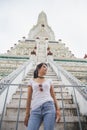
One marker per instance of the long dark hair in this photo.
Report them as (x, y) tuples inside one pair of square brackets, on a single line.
[(37, 68)]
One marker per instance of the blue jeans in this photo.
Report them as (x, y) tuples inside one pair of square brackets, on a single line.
[(46, 114)]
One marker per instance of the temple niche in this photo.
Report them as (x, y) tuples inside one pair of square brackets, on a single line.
[(85, 56)]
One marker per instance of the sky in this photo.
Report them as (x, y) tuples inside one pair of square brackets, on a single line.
[(67, 18)]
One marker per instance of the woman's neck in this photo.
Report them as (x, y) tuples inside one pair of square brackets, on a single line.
[(41, 77)]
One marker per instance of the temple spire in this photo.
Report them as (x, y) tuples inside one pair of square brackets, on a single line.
[(41, 30), (42, 18)]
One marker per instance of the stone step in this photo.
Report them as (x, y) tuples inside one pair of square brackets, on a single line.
[(69, 108), (13, 109), (23, 101), (57, 96), (23, 105), (55, 83), (47, 77), (67, 118), (65, 95), (53, 79), (48, 74), (65, 101), (56, 90), (71, 123)]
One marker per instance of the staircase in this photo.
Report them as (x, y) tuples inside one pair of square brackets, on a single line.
[(41, 53), (69, 119)]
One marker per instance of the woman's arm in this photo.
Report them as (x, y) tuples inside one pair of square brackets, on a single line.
[(28, 104), (54, 97), (58, 115)]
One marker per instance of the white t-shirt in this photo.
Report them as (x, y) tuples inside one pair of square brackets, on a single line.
[(40, 97)]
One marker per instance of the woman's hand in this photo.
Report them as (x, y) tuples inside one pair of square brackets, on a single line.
[(26, 121), (58, 115)]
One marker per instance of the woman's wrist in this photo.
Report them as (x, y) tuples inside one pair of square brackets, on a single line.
[(56, 106), (27, 115), (57, 109)]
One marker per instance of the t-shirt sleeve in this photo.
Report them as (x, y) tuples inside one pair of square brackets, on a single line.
[(30, 82), (51, 82)]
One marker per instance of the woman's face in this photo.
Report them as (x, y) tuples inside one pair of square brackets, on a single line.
[(43, 69)]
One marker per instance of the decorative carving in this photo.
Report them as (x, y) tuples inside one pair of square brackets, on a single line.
[(46, 38), (37, 37), (42, 25), (49, 53), (33, 52), (48, 48), (85, 56), (23, 37), (35, 47), (8, 50)]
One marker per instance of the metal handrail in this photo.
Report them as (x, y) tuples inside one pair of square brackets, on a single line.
[(2, 115), (63, 109), (18, 114), (75, 86), (78, 112), (13, 75), (56, 70), (6, 85), (19, 108), (73, 81), (61, 86)]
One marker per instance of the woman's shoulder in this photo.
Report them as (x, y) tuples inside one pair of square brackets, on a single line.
[(30, 81), (50, 81)]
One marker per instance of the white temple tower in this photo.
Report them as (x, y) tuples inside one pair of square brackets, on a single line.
[(69, 75)]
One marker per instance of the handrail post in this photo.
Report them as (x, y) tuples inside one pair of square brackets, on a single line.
[(78, 114), (2, 115), (19, 107), (63, 108)]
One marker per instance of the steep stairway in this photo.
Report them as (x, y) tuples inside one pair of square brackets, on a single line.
[(69, 119), (41, 52)]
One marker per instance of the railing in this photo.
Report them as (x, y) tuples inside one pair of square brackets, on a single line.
[(76, 90), (7, 85), (15, 77), (55, 69), (7, 89), (80, 127), (75, 81), (11, 77), (72, 80), (20, 118)]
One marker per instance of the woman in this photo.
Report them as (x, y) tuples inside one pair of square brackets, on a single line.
[(41, 102)]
